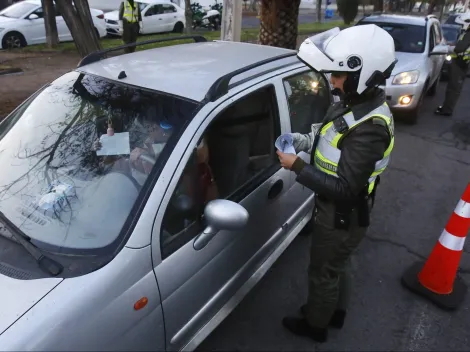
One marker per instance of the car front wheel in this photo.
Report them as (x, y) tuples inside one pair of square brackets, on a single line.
[(13, 40)]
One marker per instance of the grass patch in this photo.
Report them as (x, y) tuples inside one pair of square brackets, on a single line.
[(247, 35)]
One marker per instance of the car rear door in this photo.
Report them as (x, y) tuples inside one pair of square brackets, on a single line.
[(152, 20), (169, 17), (199, 287)]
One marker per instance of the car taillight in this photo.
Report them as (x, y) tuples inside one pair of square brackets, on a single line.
[(100, 16)]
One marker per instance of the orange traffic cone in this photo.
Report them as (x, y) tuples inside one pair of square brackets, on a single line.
[(437, 279)]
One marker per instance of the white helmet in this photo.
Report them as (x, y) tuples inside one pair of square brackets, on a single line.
[(366, 52), (464, 20)]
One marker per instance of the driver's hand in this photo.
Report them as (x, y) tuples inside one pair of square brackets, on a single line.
[(135, 154), (96, 145)]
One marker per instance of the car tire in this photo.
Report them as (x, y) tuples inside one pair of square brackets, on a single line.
[(433, 90), (13, 40), (178, 28)]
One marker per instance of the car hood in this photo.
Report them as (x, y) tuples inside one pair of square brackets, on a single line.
[(407, 62), (7, 21), (18, 296), (113, 15)]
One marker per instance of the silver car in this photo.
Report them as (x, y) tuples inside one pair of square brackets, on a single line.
[(421, 50), (141, 197)]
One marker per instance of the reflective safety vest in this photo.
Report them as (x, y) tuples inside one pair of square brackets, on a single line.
[(327, 154), (130, 14), (465, 56)]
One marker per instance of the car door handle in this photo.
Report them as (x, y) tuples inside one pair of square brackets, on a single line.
[(275, 189)]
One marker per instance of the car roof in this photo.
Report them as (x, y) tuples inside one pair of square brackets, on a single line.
[(156, 2), (188, 70), (401, 19)]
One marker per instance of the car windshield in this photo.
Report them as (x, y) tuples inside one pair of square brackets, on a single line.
[(18, 10), (407, 38), (451, 35), (76, 156)]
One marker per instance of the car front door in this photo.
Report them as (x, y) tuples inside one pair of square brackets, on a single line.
[(34, 29), (152, 19), (434, 60), (304, 97), (199, 285)]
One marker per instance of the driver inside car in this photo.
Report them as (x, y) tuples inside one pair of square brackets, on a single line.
[(147, 138)]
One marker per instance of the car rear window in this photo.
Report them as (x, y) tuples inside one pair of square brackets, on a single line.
[(408, 38)]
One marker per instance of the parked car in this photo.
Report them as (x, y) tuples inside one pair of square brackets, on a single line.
[(451, 34), (421, 50), (152, 260), (22, 24), (157, 17)]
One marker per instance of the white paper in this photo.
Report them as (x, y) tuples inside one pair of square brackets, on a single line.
[(315, 128), (118, 144), (285, 143)]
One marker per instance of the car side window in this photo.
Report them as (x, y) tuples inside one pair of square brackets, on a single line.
[(39, 12), (154, 10), (168, 8), (308, 95), (236, 154)]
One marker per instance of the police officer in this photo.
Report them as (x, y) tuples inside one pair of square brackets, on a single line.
[(349, 150), (458, 68), (130, 15)]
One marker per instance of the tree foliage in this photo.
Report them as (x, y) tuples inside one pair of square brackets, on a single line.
[(348, 10)]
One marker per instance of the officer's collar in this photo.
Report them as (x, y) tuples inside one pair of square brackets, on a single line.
[(363, 104)]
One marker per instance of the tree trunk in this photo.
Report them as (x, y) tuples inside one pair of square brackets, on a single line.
[(378, 5), (80, 24), (319, 3), (52, 37), (279, 23), (188, 14), (432, 6), (420, 8)]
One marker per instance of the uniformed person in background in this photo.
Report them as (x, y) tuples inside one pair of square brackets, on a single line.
[(458, 68), (349, 150), (131, 19)]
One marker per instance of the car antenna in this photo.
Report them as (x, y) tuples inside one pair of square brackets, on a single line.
[(122, 75)]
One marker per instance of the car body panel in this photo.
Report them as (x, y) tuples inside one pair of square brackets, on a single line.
[(97, 308)]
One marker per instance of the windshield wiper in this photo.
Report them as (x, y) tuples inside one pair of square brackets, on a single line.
[(47, 264)]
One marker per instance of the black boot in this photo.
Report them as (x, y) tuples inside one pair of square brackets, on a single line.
[(440, 111), (300, 327), (337, 320)]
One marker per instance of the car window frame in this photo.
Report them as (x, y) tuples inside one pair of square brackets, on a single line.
[(239, 194), (169, 5), (298, 73)]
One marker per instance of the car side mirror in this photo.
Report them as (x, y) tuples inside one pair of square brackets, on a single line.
[(33, 17), (439, 50), (221, 214)]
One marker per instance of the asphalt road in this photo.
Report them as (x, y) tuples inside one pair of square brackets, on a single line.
[(429, 171)]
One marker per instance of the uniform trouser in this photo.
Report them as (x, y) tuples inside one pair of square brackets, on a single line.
[(130, 34), (329, 280), (454, 86)]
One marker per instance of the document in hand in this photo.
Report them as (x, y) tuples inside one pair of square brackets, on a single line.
[(285, 143), (118, 144)]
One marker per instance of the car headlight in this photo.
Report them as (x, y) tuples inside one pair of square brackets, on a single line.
[(409, 77), (448, 58)]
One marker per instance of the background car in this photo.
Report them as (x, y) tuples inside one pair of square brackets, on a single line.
[(22, 24), (157, 17), (421, 50), (451, 34), (153, 262)]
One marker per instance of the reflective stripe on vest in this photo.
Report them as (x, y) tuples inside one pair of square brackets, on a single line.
[(130, 14), (327, 153), (465, 55)]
